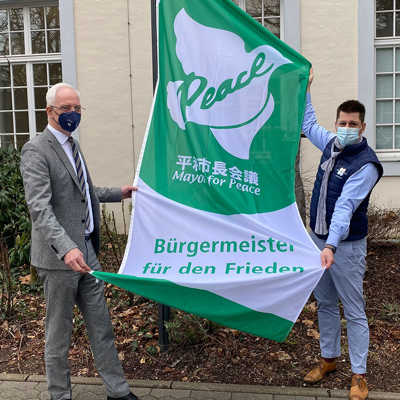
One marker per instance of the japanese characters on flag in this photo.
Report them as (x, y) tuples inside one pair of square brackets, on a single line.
[(215, 229)]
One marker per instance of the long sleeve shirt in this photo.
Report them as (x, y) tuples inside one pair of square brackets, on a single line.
[(356, 188)]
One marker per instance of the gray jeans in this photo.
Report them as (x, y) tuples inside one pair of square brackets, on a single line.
[(344, 281), (62, 290)]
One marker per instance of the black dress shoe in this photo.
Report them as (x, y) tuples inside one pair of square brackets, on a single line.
[(129, 396)]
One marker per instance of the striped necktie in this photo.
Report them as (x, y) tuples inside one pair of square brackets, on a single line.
[(81, 178)]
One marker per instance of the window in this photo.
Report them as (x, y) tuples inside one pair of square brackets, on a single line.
[(30, 62), (387, 47), (267, 12)]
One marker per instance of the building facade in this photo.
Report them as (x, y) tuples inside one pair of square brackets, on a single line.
[(104, 48)]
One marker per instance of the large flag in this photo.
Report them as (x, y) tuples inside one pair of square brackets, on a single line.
[(215, 230)]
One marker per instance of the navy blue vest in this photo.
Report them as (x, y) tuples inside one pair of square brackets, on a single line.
[(349, 161)]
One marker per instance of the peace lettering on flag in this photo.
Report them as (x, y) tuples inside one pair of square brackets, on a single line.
[(215, 229)]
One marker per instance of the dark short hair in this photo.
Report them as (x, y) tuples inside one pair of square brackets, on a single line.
[(351, 106)]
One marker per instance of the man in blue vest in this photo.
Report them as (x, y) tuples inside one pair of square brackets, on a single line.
[(347, 173)]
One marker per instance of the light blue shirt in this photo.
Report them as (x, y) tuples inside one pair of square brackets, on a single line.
[(63, 140), (356, 188)]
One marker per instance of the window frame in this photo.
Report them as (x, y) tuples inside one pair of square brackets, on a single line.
[(290, 21), (27, 59), (367, 80), (242, 5), (67, 56)]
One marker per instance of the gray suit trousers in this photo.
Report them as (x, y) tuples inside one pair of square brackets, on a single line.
[(63, 289)]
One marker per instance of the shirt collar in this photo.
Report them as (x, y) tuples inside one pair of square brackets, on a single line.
[(61, 137)]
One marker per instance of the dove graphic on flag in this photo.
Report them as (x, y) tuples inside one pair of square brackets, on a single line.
[(215, 229), (227, 87)]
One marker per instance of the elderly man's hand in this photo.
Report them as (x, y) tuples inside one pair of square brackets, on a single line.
[(127, 191), (74, 259)]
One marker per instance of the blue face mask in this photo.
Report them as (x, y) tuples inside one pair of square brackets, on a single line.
[(69, 121), (347, 136)]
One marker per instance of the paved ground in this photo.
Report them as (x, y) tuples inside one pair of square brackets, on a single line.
[(18, 387)]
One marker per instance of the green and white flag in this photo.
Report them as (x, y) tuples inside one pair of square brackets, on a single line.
[(215, 229)]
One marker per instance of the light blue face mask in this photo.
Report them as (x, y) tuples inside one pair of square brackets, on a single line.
[(347, 136)]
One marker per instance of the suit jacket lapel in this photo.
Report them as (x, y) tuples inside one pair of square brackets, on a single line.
[(55, 144)]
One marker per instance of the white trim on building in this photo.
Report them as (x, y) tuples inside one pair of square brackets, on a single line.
[(68, 48), (367, 81), (291, 23)]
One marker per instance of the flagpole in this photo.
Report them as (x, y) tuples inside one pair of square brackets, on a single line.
[(163, 310), (154, 42)]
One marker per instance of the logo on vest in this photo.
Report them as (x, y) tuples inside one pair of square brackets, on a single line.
[(224, 86), (340, 171)]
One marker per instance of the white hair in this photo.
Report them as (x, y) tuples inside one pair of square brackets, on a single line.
[(52, 92)]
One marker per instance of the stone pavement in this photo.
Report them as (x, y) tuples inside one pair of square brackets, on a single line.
[(31, 387)]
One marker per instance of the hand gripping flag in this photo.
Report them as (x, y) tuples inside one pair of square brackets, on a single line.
[(215, 230)]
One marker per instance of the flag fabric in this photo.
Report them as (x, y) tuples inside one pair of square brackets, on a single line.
[(215, 229)]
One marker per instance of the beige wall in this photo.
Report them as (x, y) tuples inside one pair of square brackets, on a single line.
[(103, 69), (142, 69), (386, 193), (329, 39), (331, 47), (114, 77)]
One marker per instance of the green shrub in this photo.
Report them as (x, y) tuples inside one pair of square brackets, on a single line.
[(15, 225), (188, 329)]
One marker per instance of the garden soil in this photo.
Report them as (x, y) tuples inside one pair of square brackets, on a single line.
[(204, 352)]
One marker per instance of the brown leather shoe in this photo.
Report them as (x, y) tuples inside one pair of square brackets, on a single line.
[(316, 374), (359, 388)]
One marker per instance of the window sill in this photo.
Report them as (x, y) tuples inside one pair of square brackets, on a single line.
[(390, 162), (392, 156)]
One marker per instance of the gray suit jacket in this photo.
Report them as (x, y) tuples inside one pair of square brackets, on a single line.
[(55, 202)]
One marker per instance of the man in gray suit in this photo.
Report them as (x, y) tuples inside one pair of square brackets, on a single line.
[(65, 213)]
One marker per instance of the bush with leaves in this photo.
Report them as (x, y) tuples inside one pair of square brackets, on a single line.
[(15, 225), (189, 329), (15, 230)]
